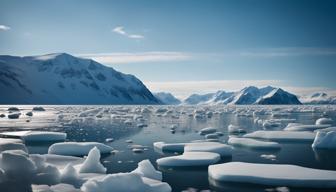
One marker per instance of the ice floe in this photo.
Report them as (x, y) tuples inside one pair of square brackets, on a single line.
[(215, 147), (283, 135), (188, 159), (253, 143), (236, 129), (325, 140), (305, 127), (32, 136), (77, 148), (12, 144), (272, 174), (207, 130), (324, 121), (169, 147)]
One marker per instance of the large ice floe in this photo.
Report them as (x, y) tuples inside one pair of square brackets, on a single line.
[(77, 148), (36, 136), (215, 147), (169, 147), (292, 136), (253, 143), (293, 127), (325, 140), (188, 159), (272, 174)]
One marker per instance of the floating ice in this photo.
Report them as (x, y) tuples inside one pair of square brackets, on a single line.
[(189, 159), (146, 169), (270, 157), (305, 127), (92, 163), (272, 174), (38, 109), (215, 147), (13, 115), (120, 182), (211, 136), (62, 187), (282, 135), (29, 113), (31, 136), (324, 121), (253, 143), (169, 147), (12, 144), (325, 140), (235, 129), (207, 130), (77, 148)]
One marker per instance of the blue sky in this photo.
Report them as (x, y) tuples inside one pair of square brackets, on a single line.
[(185, 46)]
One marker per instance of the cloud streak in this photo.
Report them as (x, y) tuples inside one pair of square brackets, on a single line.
[(124, 58), (120, 30), (289, 52), (4, 28)]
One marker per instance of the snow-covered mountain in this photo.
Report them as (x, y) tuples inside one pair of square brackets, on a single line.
[(167, 98), (247, 96), (318, 98), (65, 79)]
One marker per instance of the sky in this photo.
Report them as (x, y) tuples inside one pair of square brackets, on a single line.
[(185, 46)]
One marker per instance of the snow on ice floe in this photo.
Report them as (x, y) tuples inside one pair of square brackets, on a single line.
[(77, 148), (293, 127), (31, 136), (293, 136), (120, 182), (215, 147), (253, 143), (188, 159), (273, 175), (324, 121), (325, 140)]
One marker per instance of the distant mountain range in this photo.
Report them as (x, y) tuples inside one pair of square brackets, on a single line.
[(65, 79), (252, 96), (167, 98)]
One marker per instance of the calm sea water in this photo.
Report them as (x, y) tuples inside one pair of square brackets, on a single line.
[(81, 127)]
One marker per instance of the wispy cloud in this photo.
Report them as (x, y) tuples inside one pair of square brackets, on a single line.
[(289, 51), (4, 28), (120, 30), (123, 58), (183, 89)]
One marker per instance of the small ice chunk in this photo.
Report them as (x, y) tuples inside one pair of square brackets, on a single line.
[(92, 163), (13, 109), (270, 157), (29, 113), (189, 159), (146, 169), (211, 136), (207, 130), (253, 143), (77, 148), (276, 175), (215, 147), (282, 135), (38, 109), (235, 129), (109, 140), (169, 147), (325, 140), (324, 121), (13, 115)]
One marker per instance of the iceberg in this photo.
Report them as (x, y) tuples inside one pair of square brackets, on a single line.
[(253, 143), (188, 159), (92, 163), (276, 175), (324, 121), (77, 148), (146, 169), (325, 140)]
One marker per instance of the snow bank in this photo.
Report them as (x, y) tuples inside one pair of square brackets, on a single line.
[(273, 174), (189, 159), (325, 140), (324, 121), (120, 182), (215, 147), (283, 135), (77, 148), (253, 143)]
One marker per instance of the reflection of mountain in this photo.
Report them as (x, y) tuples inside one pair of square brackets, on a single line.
[(247, 96), (65, 79)]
